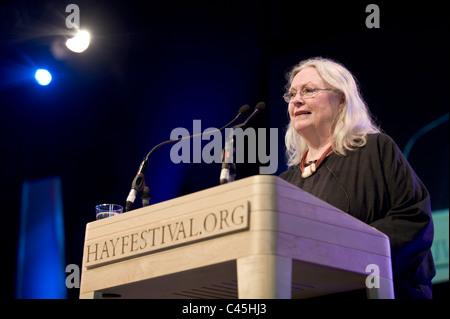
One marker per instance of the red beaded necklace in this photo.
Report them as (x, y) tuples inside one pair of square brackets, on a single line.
[(307, 171)]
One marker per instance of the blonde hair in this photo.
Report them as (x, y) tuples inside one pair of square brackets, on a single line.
[(352, 124)]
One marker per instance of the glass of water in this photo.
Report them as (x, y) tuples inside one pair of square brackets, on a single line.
[(107, 210)]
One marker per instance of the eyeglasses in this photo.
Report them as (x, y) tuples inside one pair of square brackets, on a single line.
[(304, 92)]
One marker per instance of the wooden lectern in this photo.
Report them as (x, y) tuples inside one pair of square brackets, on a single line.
[(259, 237)]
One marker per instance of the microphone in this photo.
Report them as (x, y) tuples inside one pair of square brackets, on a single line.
[(139, 182), (259, 107), (145, 196), (228, 171), (137, 185)]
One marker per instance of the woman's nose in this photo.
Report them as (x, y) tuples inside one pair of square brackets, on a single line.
[(297, 99)]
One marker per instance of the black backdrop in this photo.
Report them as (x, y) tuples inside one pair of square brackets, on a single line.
[(158, 65)]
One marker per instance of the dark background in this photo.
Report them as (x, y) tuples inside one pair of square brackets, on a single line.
[(157, 65)]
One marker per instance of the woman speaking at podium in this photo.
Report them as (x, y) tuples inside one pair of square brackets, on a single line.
[(337, 153)]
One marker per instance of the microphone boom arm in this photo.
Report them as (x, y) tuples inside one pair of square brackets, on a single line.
[(139, 181)]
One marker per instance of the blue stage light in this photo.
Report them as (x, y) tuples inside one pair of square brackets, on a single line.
[(43, 77)]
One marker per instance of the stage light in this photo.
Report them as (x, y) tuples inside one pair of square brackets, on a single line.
[(43, 77), (80, 42)]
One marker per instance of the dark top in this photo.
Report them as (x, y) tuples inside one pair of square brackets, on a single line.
[(375, 184)]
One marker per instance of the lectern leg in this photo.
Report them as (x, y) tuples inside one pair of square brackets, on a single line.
[(264, 277), (385, 291)]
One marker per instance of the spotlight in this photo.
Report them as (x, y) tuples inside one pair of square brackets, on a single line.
[(80, 42), (43, 77)]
